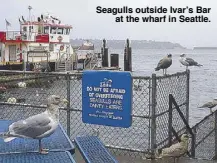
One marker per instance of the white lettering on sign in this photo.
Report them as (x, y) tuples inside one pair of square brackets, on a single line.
[(115, 96), (89, 89), (104, 84), (97, 89), (93, 115), (91, 94), (114, 90), (105, 100), (99, 106)]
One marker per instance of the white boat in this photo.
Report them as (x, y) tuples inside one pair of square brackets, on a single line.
[(45, 39)]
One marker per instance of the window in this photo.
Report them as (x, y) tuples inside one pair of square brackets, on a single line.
[(60, 31), (53, 30), (24, 29), (51, 47), (46, 29), (30, 28), (67, 31), (40, 29)]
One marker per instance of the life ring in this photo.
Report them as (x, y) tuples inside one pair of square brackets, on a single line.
[(61, 47)]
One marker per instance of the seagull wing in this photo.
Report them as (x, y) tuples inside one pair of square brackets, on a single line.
[(160, 63), (208, 105), (191, 62), (31, 127), (164, 63)]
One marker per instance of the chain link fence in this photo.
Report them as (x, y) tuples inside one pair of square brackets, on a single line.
[(176, 85), (206, 137), (149, 128)]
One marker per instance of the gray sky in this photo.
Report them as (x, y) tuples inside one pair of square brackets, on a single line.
[(81, 14)]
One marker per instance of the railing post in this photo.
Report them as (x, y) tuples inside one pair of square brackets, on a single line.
[(215, 135), (170, 120), (153, 115), (68, 104), (187, 94), (193, 142)]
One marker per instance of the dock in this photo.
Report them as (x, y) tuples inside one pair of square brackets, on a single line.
[(154, 106)]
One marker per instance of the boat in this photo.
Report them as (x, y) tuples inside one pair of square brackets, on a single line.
[(44, 41), (87, 57), (43, 44)]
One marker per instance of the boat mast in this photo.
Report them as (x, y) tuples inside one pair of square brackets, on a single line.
[(30, 8)]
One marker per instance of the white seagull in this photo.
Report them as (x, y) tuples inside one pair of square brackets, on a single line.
[(209, 105), (188, 61), (38, 126), (176, 150), (164, 63)]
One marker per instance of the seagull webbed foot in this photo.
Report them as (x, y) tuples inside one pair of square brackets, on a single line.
[(43, 151)]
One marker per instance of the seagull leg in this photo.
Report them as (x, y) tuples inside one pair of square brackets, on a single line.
[(42, 150), (175, 159), (210, 110)]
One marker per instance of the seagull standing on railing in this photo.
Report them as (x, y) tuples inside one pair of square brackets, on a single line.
[(188, 61), (38, 126), (164, 63), (209, 105), (176, 150)]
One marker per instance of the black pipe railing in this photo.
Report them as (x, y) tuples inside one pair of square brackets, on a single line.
[(172, 101)]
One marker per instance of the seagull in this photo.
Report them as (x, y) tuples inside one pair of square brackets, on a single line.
[(164, 63), (38, 126), (188, 61), (209, 105), (21, 85), (176, 150)]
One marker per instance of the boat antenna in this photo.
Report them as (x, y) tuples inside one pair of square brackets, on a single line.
[(29, 8)]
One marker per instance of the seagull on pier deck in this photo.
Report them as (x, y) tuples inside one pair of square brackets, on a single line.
[(176, 150), (164, 63), (209, 105), (188, 61)]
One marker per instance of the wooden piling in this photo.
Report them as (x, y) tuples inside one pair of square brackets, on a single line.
[(104, 51), (127, 57)]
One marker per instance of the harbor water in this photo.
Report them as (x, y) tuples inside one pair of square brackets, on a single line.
[(203, 83)]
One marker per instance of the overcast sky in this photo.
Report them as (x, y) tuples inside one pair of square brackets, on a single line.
[(81, 14)]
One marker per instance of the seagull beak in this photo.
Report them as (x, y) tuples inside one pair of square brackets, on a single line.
[(65, 101)]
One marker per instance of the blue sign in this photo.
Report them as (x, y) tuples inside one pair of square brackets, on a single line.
[(107, 98)]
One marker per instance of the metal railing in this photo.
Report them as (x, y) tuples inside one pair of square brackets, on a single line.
[(150, 108), (171, 130), (206, 137), (20, 35)]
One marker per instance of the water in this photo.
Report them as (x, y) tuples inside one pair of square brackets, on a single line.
[(202, 89), (203, 83)]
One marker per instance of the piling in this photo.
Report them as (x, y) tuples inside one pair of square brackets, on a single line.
[(104, 51), (114, 60), (127, 57)]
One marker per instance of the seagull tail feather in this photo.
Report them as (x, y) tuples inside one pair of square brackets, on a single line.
[(158, 153), (5, 136), (203, 106), (199, 65)]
